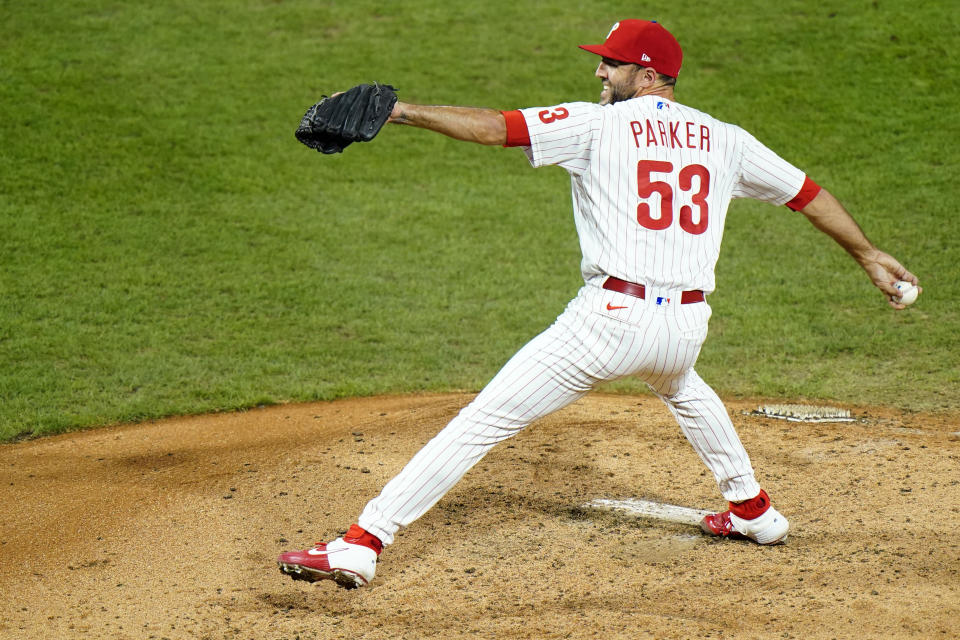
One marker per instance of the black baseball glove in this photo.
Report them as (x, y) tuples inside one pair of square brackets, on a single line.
[(357, 115)]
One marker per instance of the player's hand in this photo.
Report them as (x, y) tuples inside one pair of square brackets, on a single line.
[(397, 113), (885, 270)]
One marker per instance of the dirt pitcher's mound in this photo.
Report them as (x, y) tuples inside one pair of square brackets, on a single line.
[(171, 529)]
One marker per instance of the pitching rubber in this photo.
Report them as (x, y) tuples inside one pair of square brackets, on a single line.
[(650, 509)]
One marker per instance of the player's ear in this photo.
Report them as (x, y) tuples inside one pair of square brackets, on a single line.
[(649, 76)]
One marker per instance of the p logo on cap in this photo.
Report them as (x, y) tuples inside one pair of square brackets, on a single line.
[(641, 42)]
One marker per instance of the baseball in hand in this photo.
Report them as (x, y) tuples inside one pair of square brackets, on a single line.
[(908, 292)]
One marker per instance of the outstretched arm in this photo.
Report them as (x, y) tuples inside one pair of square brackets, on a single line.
[(828, 215), (484, 126)]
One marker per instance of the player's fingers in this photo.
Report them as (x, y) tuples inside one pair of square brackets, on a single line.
[(900, 272), (896, 269), (887, 287), (883, 278), (909, 277)]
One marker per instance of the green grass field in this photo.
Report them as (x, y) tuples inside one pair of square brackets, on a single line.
[(168, 247)]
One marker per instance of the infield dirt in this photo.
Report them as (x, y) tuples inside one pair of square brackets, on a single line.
[(171, 529)]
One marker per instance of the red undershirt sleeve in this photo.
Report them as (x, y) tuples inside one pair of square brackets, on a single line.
[(808, 192), (517, 133)]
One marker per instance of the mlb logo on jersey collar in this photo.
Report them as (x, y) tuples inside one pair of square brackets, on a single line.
[(662, 300)]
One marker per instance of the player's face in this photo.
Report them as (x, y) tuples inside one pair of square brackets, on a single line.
[(619, 80)]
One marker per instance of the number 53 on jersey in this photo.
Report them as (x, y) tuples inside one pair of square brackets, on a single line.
[(694, 184)]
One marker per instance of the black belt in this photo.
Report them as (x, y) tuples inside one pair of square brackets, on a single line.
[(639, 291)]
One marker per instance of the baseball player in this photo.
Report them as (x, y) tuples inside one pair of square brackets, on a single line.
[(651, 183)]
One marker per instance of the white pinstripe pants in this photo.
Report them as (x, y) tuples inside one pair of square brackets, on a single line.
[(589, 343)]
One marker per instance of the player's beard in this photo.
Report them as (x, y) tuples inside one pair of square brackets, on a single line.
[(615, 93)]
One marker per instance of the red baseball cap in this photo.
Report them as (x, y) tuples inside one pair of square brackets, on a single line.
[(641, 42)]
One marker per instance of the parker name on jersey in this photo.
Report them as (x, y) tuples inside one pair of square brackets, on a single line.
[(651, 183)]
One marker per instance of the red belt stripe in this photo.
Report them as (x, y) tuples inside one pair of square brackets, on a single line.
[(639, 291)]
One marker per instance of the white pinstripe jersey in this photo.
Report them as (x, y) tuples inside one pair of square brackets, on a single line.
[(652, 180)]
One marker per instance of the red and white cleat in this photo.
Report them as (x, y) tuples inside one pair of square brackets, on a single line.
[(349, 565), (768, 527)]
